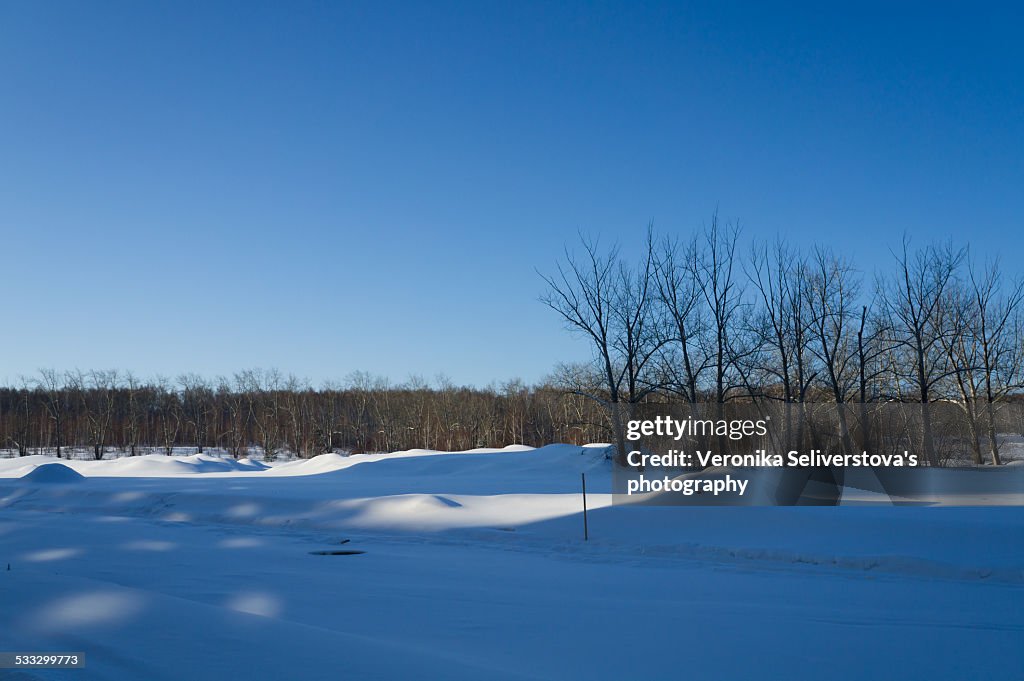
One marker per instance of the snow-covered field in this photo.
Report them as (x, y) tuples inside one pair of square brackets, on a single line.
[(473, 566)]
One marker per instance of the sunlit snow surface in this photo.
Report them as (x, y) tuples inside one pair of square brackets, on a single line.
[(473, 566)]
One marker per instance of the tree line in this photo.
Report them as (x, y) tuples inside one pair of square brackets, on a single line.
[(715, 318), (265, 412), (706, 319)]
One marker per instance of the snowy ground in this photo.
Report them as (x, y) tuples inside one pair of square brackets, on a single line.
[(475, 568)]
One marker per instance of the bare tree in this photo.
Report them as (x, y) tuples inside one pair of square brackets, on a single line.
[(913, 304), (96, 391), (832, 288), (999, 330), (22, 434), (196, 398), (262, 392), (54, 386), (637, 339), (166, 407), (296, 411), (684, 321), (985, 350), (871, 350), (609, 304), (235, 413), (714, 271), (134, 410)]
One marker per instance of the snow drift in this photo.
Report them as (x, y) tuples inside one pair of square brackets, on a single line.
[(473, 565), (52, 473)]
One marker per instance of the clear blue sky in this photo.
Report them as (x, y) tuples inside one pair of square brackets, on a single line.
[(325, 187)]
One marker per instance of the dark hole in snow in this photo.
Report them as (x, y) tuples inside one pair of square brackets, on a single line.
[(339, 552)]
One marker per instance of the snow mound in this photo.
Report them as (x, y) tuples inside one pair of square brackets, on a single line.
[(247, 464), (495, 450), (204, 463), (150, 465), (551, 469), (411, 505), (159, 465), (324, 463), (50, 473)]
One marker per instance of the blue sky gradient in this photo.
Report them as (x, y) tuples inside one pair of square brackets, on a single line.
[(328, 187)]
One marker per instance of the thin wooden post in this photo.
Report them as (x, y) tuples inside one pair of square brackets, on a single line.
[(586, 530)]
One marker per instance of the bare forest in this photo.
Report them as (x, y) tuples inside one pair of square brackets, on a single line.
[(99, 413), (711, 319), (715, 319)]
